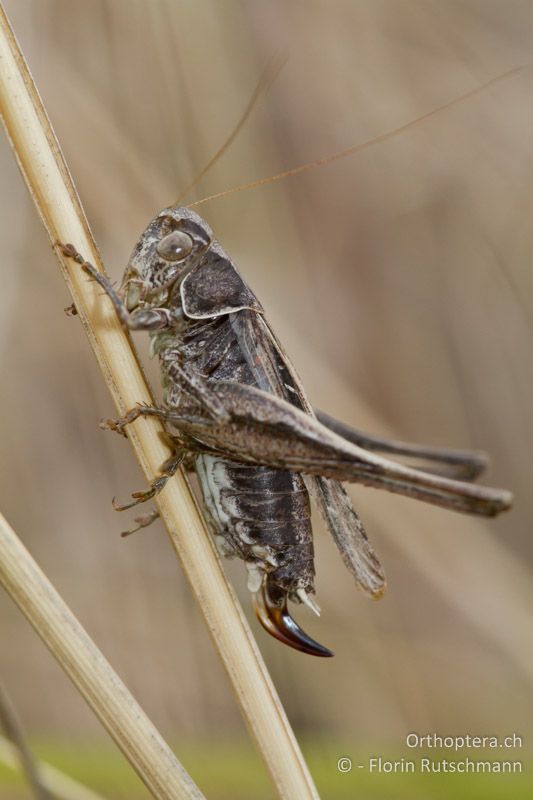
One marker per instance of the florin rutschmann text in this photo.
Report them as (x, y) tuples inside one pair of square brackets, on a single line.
[(426, 763)]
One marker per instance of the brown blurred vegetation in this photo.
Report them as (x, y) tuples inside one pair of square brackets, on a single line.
[(400, 282)]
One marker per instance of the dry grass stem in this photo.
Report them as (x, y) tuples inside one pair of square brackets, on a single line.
[(85, 665), (23, 758), (51, 187), (53, 780)]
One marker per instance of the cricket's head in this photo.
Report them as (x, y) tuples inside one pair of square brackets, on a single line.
[(173, 243)]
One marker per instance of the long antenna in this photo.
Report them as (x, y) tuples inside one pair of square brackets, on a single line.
[(269, 75), (321, 162)]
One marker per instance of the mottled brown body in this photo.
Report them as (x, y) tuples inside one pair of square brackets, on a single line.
[(257, 513), (240, 414)]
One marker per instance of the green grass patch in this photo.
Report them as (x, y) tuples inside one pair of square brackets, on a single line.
[(231, 770)]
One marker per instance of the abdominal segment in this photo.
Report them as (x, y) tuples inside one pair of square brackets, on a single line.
[(263, 516)]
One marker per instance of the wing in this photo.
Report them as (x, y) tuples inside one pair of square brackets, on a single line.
[(267, 361), (270, 365), (349, 535)]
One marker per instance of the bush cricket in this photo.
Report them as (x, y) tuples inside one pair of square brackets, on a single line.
[(238, 415)]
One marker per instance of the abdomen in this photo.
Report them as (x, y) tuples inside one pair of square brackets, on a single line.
[(259, 514), (263, 516)]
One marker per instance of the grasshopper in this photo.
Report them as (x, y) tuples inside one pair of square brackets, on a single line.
[(238, 415)]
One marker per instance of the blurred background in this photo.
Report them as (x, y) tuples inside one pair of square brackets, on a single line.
[(399, 281)]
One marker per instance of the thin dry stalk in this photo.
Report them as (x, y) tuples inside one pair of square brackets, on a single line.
[(54, 781), (12, 727), (45, 172), (85, 665)]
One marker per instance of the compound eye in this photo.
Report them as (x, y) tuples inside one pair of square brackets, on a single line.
[(175, 246)]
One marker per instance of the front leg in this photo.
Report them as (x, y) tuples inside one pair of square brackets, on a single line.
[(142, 319)]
